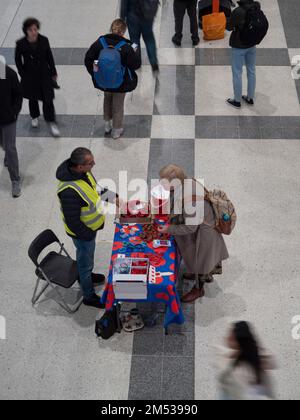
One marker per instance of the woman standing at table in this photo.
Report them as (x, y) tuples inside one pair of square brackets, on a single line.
[(202, 248), (36, 68)]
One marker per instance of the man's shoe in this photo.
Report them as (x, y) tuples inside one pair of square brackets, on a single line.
[(54, 130), (108, 127), (249, 101), (196, 42), (193, 295), (16, 189), (234, 103), (117, 133), (98, 278), (94, 301), (155, 68), (176, 41), (35, 123)]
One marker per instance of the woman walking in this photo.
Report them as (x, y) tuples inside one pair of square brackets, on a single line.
[(36, 67)]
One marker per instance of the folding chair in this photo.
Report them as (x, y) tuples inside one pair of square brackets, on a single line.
[(55, 269)]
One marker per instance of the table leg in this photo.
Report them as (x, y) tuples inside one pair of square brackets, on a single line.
[(118, 318)]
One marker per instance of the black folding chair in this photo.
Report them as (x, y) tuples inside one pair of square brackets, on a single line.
[(55, 269)]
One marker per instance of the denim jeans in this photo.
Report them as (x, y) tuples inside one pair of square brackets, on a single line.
[(85, 253), (138, 27), (240, 57)]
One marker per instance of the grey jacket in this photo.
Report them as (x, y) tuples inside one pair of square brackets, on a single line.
[(200, 245)]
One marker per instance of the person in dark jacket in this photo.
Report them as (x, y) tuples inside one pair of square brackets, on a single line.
[(242, 54), (114, 98), (78, 195), (140, 25), (10, 106), (36, 67), (180, 7)]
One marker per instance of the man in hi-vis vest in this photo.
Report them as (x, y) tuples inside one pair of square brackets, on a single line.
[(82, 216)]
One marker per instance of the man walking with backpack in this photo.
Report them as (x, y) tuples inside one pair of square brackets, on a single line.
[(139, 16), (112, 61), (249, 26)]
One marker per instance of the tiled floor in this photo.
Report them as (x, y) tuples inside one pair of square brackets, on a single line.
[(180, 117)]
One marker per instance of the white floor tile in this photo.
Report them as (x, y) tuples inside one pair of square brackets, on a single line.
[(214, 87), (173, 127), (263, 284), (72, 25)]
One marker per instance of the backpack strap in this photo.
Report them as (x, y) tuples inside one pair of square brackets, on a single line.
[(120, 45), (103, 42)]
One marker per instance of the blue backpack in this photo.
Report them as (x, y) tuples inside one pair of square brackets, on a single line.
[(111, 71)]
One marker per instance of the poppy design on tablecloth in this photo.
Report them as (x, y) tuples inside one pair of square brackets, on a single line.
[(172, 267), (117, 246), (109, 297), (156, 260), (172, 256), (163, 259), (162, 296)]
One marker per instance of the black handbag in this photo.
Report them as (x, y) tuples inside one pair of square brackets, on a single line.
[(109, 324)]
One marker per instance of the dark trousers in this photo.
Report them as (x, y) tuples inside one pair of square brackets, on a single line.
[(48, 110), (8, 142), (180, 7), (138, 27)]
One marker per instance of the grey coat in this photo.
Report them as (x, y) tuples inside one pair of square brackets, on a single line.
[(201, 246)]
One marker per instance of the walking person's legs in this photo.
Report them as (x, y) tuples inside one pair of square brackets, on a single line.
[(250, 60), (149, 39), (179, 8), (49, 111), (8, 140), (192, 12), (118, 114), (85, 253), (135, 32), (34, 111), (50, 118), (108, 111)]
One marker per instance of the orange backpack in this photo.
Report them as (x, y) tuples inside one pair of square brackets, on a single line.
[(214, 25)]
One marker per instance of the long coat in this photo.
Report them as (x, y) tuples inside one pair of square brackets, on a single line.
[(201, 246), (36, 68)]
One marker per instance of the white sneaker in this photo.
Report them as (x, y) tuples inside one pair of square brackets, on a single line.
[(117, 133), (34, 122), (108, 127), (54, 130)]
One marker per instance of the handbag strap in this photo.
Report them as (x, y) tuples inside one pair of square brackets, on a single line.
[(216, 6)]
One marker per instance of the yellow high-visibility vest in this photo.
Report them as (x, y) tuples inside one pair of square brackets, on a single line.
[(91, 214)]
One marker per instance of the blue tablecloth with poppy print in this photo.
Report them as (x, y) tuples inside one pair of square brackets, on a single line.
[(163, 259)]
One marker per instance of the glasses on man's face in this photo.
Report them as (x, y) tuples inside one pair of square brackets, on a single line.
[(90, 163)]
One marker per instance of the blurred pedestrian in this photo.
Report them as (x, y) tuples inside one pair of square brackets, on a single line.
[(36, 67), (139, 16), (10, 106), (244, 368)]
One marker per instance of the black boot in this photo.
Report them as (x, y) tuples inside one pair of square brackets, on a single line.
[(94, 301)]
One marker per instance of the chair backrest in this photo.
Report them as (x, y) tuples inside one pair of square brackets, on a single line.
[(42, 241)]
